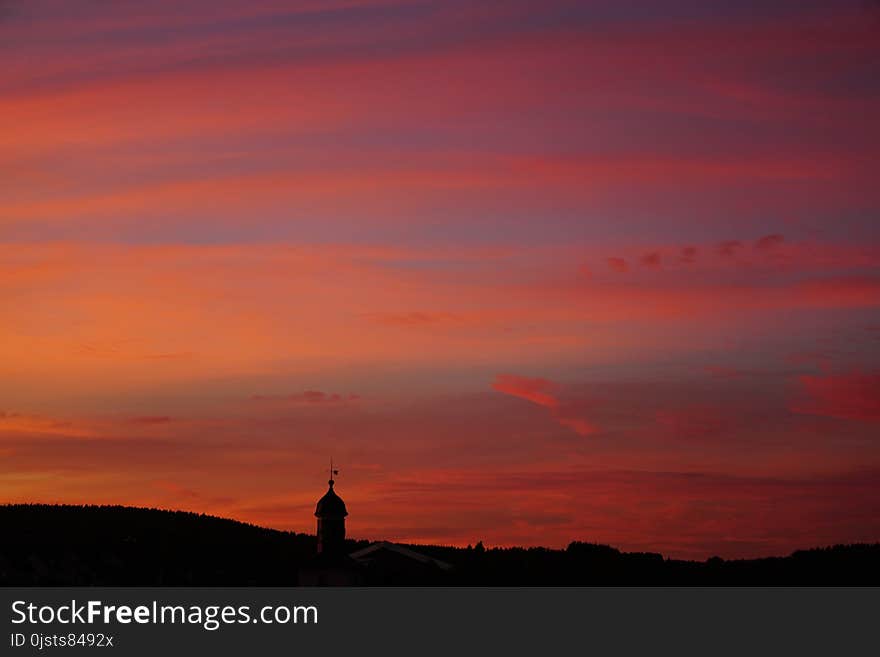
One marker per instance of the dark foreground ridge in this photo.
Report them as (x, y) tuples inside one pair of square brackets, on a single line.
[(47, 545)]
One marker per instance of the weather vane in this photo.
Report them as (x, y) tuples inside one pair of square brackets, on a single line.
[(332, 471)]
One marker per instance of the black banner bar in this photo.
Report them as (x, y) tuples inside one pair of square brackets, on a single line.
[(408, 621)]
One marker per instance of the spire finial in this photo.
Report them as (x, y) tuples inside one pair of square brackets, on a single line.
[(332, 473)]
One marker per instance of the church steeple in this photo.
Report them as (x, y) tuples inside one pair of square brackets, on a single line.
[(331, 513)]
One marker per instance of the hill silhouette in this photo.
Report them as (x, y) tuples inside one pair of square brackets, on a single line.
[(46, 545)]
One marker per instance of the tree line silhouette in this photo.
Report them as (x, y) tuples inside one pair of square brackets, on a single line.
[(58, 545)]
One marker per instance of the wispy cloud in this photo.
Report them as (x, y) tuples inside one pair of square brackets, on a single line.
[(545, 393)]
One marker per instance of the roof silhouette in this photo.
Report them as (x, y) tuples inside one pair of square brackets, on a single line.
[(365, 554)]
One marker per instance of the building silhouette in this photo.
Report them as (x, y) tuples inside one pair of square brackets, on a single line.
[(331, 566), (379, 563), (331, 513), (392, 564)]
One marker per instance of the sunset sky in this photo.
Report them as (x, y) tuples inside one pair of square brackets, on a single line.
[(531, 272)]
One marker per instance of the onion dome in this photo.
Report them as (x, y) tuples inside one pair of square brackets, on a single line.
[(331, 504)]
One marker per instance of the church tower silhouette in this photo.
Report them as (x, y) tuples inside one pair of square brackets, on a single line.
[(331, 513), (379, 563)]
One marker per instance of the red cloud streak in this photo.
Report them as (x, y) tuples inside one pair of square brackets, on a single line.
[(544, 393), (846, 396)]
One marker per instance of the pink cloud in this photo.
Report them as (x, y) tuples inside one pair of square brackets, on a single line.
[(545, 393), (537, 391)]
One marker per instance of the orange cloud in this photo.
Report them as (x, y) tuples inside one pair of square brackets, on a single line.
[(89, 316), (14, 425)]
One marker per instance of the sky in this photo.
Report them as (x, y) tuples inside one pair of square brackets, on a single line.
[(529, 272)]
